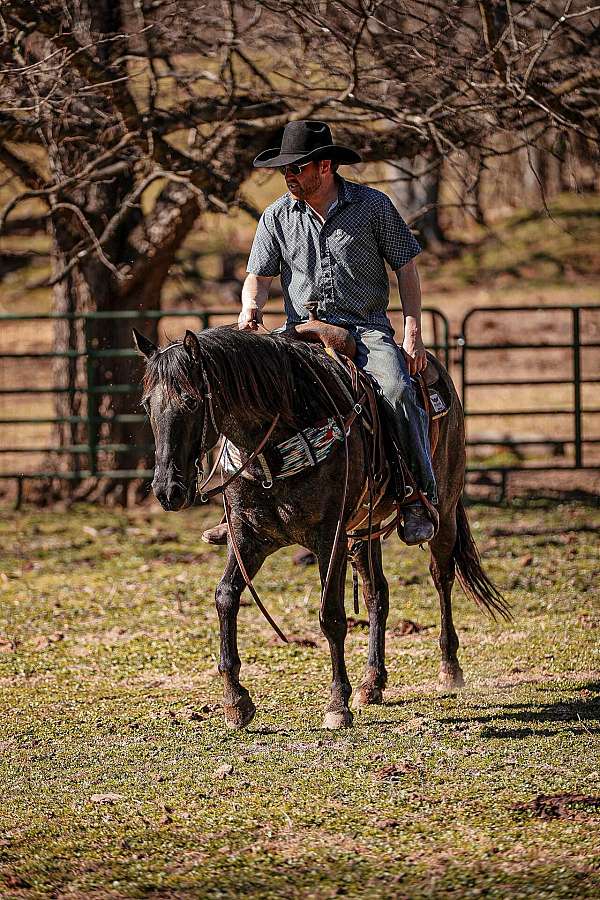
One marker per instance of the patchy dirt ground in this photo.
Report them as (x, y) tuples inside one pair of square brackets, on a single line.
[(119, 780)]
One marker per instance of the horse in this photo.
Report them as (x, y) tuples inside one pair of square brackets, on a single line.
[(258, 389)]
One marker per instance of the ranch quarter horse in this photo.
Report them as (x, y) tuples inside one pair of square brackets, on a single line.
[(249, 387)]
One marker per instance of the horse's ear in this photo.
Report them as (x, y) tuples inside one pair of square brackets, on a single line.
[(191, 345), (144, 345)]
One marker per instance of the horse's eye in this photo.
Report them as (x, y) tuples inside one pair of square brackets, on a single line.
[(190, 403)]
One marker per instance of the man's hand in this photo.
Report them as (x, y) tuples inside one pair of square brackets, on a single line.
[(410, 295), (414, 352), (249, 319)]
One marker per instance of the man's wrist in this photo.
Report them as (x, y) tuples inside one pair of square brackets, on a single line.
[(412, 326)]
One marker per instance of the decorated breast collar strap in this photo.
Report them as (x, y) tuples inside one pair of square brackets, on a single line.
[(205, 497)]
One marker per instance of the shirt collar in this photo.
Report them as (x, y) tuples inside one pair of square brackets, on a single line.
[(346, 194)]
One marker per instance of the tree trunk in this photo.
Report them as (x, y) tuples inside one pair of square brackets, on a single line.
[(417, 198)]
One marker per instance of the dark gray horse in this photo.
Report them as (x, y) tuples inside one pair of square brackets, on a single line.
[(225, 381)]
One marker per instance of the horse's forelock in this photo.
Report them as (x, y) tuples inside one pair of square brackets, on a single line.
[(173, 369)]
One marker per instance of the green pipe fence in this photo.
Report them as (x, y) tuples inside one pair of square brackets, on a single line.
[(461, 350), (93, 391)]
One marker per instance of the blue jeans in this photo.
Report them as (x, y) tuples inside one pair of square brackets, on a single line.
[(379, 355)]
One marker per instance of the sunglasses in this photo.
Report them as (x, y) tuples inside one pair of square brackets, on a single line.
[(293, 169)]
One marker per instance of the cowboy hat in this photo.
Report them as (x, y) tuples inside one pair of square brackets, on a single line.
[(304, 141)]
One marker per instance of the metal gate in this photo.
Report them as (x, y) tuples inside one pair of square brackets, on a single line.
[(528, 384), (528, 378)]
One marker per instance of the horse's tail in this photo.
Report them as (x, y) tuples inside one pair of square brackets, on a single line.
[(470, 573)]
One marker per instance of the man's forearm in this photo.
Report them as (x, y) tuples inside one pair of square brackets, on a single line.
[(410, 296), (255, 292)]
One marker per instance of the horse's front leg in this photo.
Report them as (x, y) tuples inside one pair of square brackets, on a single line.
[(333, 625), (376, 596), (238, 706)]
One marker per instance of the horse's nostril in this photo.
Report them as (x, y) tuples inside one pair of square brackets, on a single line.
[(175, 496)]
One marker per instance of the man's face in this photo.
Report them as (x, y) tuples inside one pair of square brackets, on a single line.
[(308, 182)]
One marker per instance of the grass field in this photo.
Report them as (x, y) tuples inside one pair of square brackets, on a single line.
[(119, 779)]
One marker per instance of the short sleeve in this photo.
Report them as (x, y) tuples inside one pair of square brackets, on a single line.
[(396, 242), (265, 255)]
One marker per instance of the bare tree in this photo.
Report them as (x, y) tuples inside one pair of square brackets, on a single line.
[(128, 119)]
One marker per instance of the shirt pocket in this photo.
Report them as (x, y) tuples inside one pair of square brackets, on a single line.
[(300, 255), (356, 251)]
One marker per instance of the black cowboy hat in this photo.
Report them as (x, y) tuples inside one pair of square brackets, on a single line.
[(304, 141)]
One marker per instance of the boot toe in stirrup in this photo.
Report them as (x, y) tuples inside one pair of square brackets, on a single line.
[(418, 527), (216, 535)]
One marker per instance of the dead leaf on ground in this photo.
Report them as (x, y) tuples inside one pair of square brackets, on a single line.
[(7, 645), (303, 642), (186, 558), (407, 582), (16, 881), (160, 537), (588, 621), (407, 626), (106, 798), (558, 806), (395, 771), (356, 623), (299, 641), (43, 641)]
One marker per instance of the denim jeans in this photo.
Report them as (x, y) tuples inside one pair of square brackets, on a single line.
[(380, 356)]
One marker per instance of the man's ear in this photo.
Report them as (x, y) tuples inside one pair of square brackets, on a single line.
[(191, 345), (144, 345)]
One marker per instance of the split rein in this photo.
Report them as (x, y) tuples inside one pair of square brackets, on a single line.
[(205, 495)]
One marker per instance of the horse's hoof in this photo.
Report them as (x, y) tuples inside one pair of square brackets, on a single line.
[(369, 695), (336, 720), (241, 714), (451, 680)]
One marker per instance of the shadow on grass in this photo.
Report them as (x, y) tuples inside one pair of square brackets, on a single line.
[(329, 875), (575, 710)]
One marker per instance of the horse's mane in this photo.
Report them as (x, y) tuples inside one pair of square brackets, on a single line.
[(258, 373)]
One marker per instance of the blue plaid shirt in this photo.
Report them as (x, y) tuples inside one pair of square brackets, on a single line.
[(340, 264)]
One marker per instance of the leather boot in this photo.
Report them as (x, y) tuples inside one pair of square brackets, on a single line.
[(216, 535), (418, 527)]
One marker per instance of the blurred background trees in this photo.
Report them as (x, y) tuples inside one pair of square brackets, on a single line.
[(125, 123)]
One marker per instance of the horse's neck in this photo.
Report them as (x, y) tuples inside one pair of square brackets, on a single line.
[(242, 431)]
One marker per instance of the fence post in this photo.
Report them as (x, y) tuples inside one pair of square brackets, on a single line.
[(92, 398), (576, 313)]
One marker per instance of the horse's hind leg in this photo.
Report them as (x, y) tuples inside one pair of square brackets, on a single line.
[(442, 573), (334, 626), (238, 706), (376, 597)]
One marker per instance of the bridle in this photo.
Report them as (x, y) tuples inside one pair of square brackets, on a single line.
[(201, 484)]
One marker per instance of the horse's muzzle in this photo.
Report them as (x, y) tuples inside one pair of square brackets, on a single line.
[(174, 497)]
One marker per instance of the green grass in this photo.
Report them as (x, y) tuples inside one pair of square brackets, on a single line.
[(537, 247), (108, 686)]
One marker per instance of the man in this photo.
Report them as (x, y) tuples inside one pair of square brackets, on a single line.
[(329, 240)]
